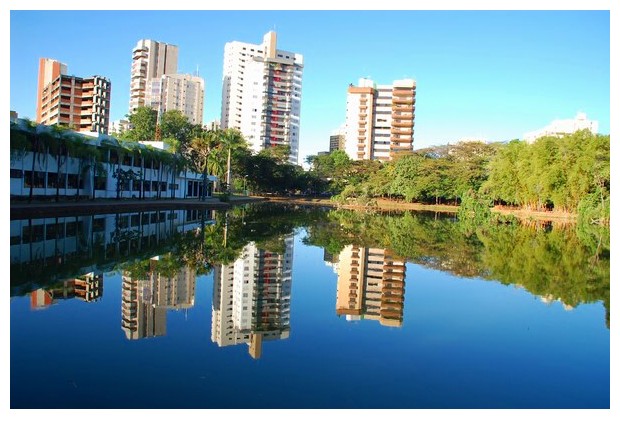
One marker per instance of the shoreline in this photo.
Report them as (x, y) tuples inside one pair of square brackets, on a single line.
[(391, 205), (38, 209)]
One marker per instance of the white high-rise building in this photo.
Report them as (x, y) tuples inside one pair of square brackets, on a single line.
[(261, 94), (182, 92), (252, 298), (561, 127), (150, 60), (380, 119)]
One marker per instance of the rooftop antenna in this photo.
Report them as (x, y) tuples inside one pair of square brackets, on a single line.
[(197, 71)]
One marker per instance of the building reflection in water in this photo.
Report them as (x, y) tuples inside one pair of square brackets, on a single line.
[(371, 285), (252, 298), (145, 301), (87, 288)]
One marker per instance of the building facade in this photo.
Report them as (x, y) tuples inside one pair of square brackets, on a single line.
[(380, 119), (150, 60), (82, 104), (182, 92), (371, 285), (261, 94), (336, 142), (145, 301), (562, 127), (73, 176), (49, 71)]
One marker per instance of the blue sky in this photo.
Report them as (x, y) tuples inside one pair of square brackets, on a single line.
[(480, 74)]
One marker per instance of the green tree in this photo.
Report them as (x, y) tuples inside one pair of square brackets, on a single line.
[(143, 125), (174, 125)]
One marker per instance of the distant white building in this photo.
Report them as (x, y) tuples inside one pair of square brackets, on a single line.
[(561, 127), (119, 127)]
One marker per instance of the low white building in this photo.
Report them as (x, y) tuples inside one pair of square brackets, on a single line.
[(81, 177), (561, 127)]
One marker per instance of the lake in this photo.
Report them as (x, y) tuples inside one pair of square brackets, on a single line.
[(282, 307)]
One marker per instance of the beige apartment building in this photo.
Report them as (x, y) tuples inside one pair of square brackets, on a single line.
[(82, 104), (371, 285), (150, 60), (182, 92), (380, 119)]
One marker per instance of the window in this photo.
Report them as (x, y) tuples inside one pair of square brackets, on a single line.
[(55, 230), (100, 183), (32, 234), (123, 222), (72, 181), (39, 179), (16, 174)]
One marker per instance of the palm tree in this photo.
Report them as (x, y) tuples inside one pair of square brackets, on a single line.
[(41, 137), (197, 155), (231, 140)]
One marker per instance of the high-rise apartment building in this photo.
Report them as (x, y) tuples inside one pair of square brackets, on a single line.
[(82, 104), (371, 285), (252, 298), (261, 94), (380, 119), (182, 92), (49, 71), (150, 60)]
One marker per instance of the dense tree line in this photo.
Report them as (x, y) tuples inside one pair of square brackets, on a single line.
[(568, 173)]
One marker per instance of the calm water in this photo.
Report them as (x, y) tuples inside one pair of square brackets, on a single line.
[(283, 307)]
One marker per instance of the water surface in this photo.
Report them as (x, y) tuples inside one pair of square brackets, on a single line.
[(285, 307)]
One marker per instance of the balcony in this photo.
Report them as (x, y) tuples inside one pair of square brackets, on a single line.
[(400, 139), (400, 148), (403, 92), (391, 314), (402, 124), (402, 131), (403, 101), (401, 108), (402, 116)]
